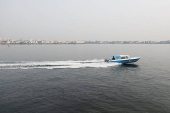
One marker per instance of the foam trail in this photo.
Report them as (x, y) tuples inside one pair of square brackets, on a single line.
[(55, 64)]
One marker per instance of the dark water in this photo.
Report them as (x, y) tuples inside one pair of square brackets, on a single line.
[(73, 79)]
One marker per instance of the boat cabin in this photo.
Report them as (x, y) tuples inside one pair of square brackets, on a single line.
[(119, 57)]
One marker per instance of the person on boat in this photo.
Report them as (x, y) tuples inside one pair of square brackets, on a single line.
[(113, 58)]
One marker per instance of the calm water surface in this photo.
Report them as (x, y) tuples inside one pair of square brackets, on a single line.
[(74, 79)]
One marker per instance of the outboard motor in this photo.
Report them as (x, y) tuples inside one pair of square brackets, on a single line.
[(106, 60)]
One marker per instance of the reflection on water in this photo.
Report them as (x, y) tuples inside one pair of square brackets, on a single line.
[(125, 68), (130, 65)]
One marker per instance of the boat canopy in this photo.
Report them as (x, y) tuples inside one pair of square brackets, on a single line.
[(118, 57)]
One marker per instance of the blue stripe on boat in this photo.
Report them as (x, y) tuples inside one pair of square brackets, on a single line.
[(124, 61)]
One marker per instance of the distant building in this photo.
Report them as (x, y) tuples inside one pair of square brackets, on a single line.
[(105, 42), (73, 42), (40, 42), (80, 42), (165, 42)]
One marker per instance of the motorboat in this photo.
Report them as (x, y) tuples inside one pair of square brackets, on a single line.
[(122, 59)]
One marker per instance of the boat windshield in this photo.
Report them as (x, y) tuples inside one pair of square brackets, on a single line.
[(124, 57)]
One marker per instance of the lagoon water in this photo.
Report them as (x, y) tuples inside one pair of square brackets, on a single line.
[(74, 79)]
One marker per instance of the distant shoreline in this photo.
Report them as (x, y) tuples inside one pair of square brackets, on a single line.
[(5, 41), (86, 44)]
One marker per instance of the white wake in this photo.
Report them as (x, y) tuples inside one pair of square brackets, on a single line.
[(55, 64)]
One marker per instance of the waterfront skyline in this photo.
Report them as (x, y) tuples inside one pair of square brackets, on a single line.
[(37, 41), (85, 20)]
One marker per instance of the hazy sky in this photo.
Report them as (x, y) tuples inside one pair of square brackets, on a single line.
[(85, 19)]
